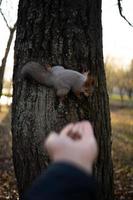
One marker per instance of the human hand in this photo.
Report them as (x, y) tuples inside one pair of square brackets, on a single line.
[(75, 144)]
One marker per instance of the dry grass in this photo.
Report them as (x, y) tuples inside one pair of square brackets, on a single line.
[(122, 150)]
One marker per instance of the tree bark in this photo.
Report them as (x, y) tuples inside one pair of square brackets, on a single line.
[(4, 60), (68, 33)]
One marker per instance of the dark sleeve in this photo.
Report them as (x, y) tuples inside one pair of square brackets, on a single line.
[(63, 181)]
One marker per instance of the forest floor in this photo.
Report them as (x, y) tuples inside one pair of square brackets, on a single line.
[(122, 151)]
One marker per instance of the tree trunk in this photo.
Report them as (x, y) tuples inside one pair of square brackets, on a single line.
[(129, 92), (68, 33), (121, 95), (4, 60)]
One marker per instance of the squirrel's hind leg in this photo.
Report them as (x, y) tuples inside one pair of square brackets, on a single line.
[(77, 94), (62, 94)]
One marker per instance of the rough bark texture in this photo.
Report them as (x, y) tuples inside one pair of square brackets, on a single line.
[(69, 33)]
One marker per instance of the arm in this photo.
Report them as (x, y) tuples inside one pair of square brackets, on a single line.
[(63, 181), (69, 178)]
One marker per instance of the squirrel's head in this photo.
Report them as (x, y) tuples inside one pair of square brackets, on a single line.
[(89, 84)]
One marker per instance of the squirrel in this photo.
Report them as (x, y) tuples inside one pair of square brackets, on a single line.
[(61, 79)]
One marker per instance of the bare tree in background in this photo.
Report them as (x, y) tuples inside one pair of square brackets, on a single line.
[(121, 12), (11, 29)]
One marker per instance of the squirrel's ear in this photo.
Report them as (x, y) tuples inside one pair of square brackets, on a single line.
[(86, 73), (48, 67)]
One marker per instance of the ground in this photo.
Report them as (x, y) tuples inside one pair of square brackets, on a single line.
[(122, 151)]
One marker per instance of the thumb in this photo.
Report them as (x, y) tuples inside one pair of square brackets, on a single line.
[(52, 143)]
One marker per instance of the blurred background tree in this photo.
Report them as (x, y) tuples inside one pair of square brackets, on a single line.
[(110, 75), (129, 80), (119, 79), (6, 8)]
